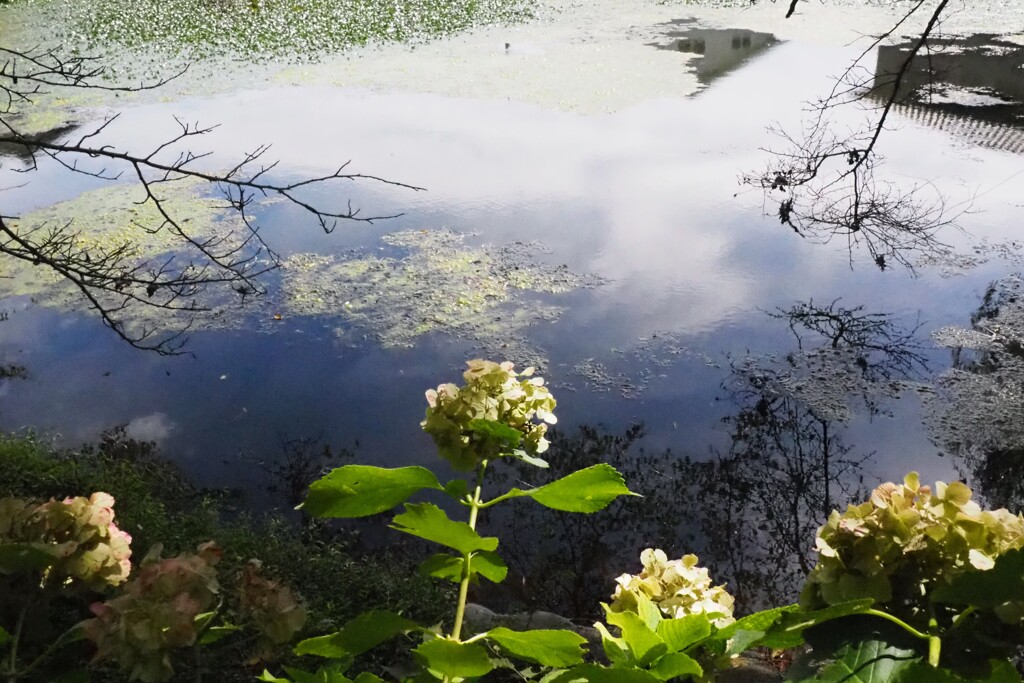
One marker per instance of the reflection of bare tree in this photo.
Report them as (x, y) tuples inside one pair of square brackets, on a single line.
[(885, 350), (788, 465), (826, 176), (976, 413)]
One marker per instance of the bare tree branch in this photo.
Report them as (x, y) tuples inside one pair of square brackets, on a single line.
[(113, 279)]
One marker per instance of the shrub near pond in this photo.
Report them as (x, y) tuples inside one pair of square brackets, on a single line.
[(156, 503)]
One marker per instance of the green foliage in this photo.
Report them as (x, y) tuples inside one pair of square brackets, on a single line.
[(491, 416)]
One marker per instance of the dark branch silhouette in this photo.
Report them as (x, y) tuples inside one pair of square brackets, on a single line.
[(204, 263), (828, 180)]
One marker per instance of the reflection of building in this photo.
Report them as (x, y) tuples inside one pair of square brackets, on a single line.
[(972, 88), (721, 50), (24, 152)]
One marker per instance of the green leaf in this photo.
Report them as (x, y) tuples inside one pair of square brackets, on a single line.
[(78, 676), (990, 588), (271, 678), (645, 645), (674, 665), (648, 611), (587, 490), (681, 633), (529, 459), (327, 674), (486, 564), (497, 430), (592, 673), (758, 621), (215, 633), (367, 677), (431, 523), (17, 558), (1000, 671), (357, 636), (545, 647), (742, 641), (865, 661), (5, 637), (789, 629), (614, 648), (457, 489), (362, 490), (447, 658)]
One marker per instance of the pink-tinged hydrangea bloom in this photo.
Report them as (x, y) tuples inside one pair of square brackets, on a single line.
[(79, 534)]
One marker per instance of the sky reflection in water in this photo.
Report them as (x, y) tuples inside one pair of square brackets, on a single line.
[(646, 198)]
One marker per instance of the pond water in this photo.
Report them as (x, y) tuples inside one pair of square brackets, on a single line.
[(612, 246)]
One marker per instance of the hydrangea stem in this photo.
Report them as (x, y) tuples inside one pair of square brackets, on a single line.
[(934, 642), (474, 509)]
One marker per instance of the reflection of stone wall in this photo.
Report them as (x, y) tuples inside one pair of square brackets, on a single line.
[(979, 65), (974, 64)]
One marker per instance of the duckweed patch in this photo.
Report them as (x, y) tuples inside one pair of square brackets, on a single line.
[(485, 294), (301, 29)]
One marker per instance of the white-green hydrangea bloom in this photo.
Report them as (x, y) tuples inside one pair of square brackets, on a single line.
[(494, 392), (678, 588)]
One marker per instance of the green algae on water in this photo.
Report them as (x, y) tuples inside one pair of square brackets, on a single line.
[(487, 295)]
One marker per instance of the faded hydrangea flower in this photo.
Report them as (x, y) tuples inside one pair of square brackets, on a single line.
[(678, 588), (84, 545), (271, 607), (493, 393), (904, 542), (155, 614)]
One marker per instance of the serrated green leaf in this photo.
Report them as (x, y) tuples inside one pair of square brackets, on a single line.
[(431, 523), (361, 490), (681, 633), (674, 665), (866, 661), (990, 588), (483, 563), (587, 490), (357, 636), (644, 644), (447, 658), (498, 431), (593, 673), (16, 558), (545, 647)]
